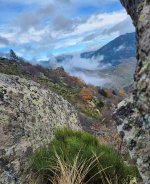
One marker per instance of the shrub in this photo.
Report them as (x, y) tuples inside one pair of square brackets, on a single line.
[(100, 105), (67, 144), (121, 92), (90, 112), (114, 92), (78, 81), (106, 92), (102, 92), (85, 95), (93, 89)]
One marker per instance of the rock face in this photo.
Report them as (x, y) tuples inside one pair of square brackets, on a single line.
[(28, 116), (133, 8), (133, 115)]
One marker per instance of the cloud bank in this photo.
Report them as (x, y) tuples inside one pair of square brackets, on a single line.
[(36, 28), (86, 69)]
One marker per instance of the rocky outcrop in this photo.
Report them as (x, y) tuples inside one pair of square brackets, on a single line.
[(28, 116), (133, 115), (133, 8), (135, 136)]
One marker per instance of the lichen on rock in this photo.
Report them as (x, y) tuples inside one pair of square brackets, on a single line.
[(133, 115), (28, 116)]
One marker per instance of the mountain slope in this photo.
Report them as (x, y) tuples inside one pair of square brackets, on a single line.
[(11, 56), (123, 47), (119, 49), (120, 75)]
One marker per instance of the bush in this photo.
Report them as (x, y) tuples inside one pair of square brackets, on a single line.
[(100, 105), (78, 81), (85, 95), (121, 92), (114, 92), (90, 112), (102, 92), (67, 144)]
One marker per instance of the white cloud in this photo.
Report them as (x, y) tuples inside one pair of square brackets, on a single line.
[(99, 21), (91, 78), (52, 24), (86, 69), (121, 47), (125, 26)]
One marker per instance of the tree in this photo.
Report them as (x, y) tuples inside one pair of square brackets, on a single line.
[(78, 81), (85, 95), (121, 92), (13, 56)]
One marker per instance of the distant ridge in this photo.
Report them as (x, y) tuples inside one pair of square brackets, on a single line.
[(123, 47)]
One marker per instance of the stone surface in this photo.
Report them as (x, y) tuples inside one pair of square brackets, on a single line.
[(133, 133), (133, 115), (28, 116)]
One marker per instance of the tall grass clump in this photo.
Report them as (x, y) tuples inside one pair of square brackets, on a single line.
[(76, 157)]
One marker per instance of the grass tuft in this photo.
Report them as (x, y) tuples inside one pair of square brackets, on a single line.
[(72, 152)]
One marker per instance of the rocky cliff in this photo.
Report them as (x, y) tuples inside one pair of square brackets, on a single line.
[(28, 116), (133, 115)]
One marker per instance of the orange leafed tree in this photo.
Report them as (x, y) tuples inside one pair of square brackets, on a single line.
[(92, 89), (121, 92), (108, 92), (78, 81), (86, 95)]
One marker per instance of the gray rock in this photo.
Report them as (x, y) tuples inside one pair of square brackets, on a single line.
[(28, 116), (136, 111)]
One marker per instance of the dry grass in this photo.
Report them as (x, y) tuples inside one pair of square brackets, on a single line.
[(71, 174), (75, 174)]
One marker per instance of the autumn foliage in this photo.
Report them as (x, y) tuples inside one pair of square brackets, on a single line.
[(121, 92), (93, 89), (78, 81), (85, 95), (106, 92)]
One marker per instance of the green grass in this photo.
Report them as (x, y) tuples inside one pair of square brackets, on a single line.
[(90, 112), (60, 88), (68, 144), (67, 92), (11, 68)]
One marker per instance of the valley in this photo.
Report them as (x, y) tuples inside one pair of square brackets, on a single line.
[(74, 92)]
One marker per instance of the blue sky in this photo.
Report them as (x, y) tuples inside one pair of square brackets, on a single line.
[(37, 29)]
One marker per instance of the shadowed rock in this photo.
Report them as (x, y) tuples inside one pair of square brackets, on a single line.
[(137, 136)]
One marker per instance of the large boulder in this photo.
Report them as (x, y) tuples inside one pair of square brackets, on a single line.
[(133, 115), (28, 116)]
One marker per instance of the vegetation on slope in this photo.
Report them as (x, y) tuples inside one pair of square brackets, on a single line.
[(101, 163), (88, 99)]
